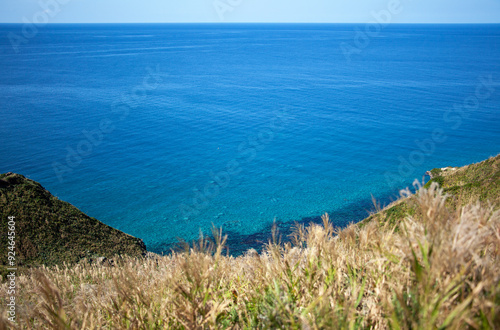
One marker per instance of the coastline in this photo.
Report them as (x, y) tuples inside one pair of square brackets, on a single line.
[(360, 212)]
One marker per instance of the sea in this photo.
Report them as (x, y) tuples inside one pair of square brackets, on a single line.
[(165, 131)]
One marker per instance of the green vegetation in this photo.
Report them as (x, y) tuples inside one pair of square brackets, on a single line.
[(430, 260), (50, 231), (467, 184), (464, 185), (439, 180), (435, 172)]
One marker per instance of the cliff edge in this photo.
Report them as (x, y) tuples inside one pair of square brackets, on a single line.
[(49, 231)]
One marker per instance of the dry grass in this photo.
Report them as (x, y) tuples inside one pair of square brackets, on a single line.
[(440, 270)]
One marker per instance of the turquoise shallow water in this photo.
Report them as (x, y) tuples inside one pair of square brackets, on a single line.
[(163, 130)]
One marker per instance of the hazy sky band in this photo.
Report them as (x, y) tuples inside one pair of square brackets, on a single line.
[(313, 11)]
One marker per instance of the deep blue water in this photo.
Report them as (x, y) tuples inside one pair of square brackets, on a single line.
[(237, 125)]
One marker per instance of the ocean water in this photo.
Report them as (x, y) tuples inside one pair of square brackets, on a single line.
[(162, 131)]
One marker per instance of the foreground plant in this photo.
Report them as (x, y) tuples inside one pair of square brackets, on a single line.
[(435, 269)]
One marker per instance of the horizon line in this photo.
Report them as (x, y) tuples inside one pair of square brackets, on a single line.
[(223, 22)]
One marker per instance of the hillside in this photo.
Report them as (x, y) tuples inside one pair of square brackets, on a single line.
[(50, 231), (473, 182), (463, 185)]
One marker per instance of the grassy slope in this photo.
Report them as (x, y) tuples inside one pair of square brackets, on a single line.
[(480, 181), (50, 231)]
